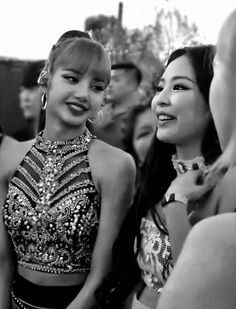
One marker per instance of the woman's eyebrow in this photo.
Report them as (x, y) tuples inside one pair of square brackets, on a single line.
[(179, 77)]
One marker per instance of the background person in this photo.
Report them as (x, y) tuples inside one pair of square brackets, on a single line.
[(30, 100), (140, 125), (121, 95)]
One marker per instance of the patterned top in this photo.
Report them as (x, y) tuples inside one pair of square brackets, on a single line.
[(52, 208), (154, 258)]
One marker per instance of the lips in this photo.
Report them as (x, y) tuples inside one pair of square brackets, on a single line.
[(162, 117), (77, 108)]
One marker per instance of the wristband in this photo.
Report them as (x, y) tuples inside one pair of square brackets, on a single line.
[(174, 197)]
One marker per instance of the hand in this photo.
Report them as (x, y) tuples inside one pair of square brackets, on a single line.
[(216, 172), (191, 185)]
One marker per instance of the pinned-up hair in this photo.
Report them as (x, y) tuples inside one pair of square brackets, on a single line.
[(86, 53)]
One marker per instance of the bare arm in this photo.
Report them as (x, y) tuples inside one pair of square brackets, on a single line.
[(114, 175), (6, 256), (177, 212), (6, 261), (205, 273)]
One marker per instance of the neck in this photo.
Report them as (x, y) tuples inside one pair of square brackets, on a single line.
[(56, 131), (188, 152)]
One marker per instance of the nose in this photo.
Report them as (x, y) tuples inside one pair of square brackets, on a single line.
[(161, 99), (82, 90), (24, 96)]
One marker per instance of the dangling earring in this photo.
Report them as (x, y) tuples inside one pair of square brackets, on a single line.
[(44, 101), (98, 118)]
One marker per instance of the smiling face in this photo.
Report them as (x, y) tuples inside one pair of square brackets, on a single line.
[(74, 97), (181, 109), (75, 88)]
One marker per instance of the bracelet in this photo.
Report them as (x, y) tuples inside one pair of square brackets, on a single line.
[(174, 197)]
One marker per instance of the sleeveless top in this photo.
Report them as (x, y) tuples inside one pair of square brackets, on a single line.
[(52, 207), (154, 257)]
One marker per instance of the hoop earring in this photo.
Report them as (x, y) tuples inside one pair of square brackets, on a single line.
[(98, 118), (44, 101)]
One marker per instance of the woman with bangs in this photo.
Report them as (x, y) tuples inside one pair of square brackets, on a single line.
[(62, 205), (160, 218)]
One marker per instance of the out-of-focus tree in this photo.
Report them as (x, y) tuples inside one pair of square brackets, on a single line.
[(103, 28), (175, 31), (149, 47)]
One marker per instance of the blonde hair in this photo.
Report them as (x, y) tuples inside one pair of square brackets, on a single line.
[(88, 53)]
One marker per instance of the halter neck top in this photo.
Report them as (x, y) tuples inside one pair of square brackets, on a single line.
[(52, 207)]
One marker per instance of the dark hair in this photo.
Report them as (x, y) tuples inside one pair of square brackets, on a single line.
[(131, 67), (73, 34), (201, 58), (129, 126), (31, 73), (157, 174)]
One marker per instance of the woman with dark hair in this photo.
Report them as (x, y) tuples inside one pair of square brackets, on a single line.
[(206, 267), (186, 141), (140, 125)]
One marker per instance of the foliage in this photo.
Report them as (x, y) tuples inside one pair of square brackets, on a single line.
[(149, 47)]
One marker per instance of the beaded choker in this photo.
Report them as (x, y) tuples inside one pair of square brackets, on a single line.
[(182, 166), (48, 145)]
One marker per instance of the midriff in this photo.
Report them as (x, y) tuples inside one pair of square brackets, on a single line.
[(48, 279)]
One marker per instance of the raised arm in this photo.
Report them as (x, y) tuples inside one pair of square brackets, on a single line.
[(180, 199)]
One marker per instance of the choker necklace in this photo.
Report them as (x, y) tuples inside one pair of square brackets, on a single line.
[(48, 145), (182, 166)]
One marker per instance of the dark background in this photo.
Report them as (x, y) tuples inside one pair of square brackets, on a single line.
[(11, 74)]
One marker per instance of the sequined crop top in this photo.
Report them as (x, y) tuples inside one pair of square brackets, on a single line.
[(52, 207), (154, 258)]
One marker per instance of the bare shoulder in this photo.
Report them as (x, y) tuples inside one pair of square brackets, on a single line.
[(107, 162), (111, 156), (11, 154)]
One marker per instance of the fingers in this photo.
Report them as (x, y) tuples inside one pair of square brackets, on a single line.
[(214, 174), (201, 190)]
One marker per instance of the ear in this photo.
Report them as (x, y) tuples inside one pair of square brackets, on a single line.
[(43, 78), (43, 81)]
